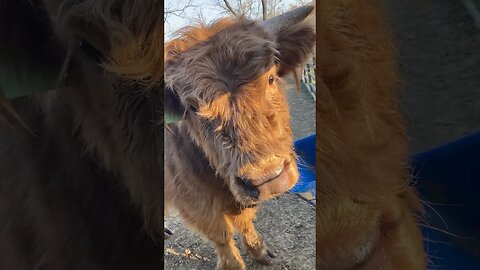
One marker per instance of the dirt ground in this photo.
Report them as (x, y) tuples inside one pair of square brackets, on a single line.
[(287, 225), (439, 49)]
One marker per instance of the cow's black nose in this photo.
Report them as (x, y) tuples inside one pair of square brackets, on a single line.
[(248, 188)]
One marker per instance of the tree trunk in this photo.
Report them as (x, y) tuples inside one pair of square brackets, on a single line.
[(264, 9)]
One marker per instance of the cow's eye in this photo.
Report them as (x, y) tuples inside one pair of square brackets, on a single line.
[(271, 79), (89, 52)]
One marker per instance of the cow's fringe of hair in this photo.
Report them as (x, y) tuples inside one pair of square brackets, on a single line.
[(134, 43), (188, 36)]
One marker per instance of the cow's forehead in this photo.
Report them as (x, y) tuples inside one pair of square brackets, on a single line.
[(222, 57), (239, 54)]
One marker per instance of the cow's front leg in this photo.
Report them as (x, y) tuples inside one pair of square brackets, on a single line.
[(251, 239), (219, 229), (228, 255)]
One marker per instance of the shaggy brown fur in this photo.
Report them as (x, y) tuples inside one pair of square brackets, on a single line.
[(366, 209), (234, 147), (82, 192)]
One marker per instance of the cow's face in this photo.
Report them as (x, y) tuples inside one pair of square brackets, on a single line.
[(118, 56), (379, 233), (366, 208), (237, 112), (366, 215)]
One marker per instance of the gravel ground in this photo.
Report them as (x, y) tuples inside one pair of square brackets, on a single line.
[(302, 110), (287, 223)]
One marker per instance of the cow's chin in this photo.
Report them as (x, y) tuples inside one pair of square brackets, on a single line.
[(249, 195)]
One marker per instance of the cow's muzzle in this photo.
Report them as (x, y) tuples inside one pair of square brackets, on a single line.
[(278, 181)]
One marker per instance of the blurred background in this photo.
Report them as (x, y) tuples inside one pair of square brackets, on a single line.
[(439, 54)]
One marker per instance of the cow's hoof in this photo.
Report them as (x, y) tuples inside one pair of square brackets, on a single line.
[(267, 259), (232, 265), (167, 233)]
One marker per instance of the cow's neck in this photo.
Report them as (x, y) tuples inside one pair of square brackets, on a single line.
[(183, 144), (128, 148)]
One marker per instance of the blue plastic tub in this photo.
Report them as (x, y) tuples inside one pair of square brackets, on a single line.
[(305, 149), (448, 177)]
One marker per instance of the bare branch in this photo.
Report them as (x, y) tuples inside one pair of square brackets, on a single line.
[(229, 7), (201, 16), (178, 11), (276, 8), (300, 3), (254, 9)]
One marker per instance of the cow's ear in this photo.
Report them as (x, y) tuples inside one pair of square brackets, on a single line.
[(31, 57), (174, 108), (295, 36), (295, 44)]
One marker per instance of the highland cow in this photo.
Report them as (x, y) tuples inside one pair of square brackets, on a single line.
[(366, 211), (233, 148), (81, 187)]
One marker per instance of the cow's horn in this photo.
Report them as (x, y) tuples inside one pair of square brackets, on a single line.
[(286, 20)]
